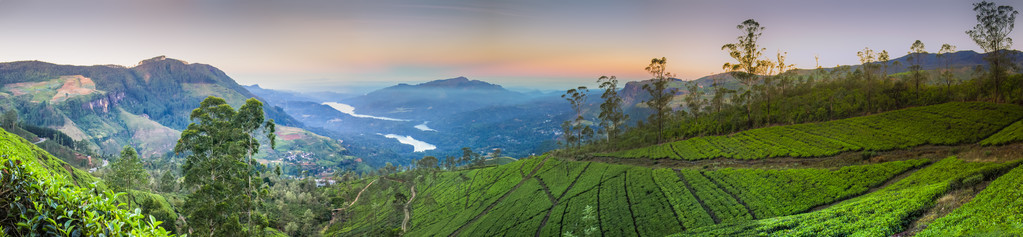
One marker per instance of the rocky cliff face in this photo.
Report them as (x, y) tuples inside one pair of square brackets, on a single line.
[(105, 103)]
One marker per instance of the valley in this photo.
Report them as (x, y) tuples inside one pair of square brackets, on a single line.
[(510, 118)]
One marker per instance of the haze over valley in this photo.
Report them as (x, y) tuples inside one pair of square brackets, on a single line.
[(510, 118)]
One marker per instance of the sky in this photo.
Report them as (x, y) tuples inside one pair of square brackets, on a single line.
[(338, 45)]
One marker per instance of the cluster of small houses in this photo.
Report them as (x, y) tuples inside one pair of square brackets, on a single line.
[(325, 182)]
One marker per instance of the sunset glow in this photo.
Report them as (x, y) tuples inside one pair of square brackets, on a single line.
[(332, 44)]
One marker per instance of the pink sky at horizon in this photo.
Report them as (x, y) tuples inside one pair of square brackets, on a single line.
[(309, 45)]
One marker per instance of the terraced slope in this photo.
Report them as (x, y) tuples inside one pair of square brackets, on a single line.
[(547, 196), (996, 211), (881, 213), (1012, 133), (41, 195), (944, 124)]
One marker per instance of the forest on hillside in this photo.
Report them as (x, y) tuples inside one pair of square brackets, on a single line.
[(884, 148)]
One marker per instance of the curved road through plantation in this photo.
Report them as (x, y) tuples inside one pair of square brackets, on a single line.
[(404, 223), (358, 195)]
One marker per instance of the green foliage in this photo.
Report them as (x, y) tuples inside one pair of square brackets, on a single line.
[(945, 124), (612, 118), (660, 94), (153, 205), (994, 23), (428, 162), (168, 183), (576, 131), (1012, 133), (40, 198), (589, 223), (127, 172), (219, 146), (567, 198), (749, 65), (995, 211), (771, 193), (9, 119), (881, 213)]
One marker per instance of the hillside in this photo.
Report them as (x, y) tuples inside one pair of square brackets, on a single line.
[(870, 197), (145, 106), (946, 124), (38, 190), (962, 64)]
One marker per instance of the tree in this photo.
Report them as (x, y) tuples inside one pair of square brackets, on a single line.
[(720, 93), (168, 183), (472, 157), (389, 168), (612, 117), (449, 162), (576, 131), (428, 162), (867, 60), (818, 70), (748, 65), (127, 172), (496, 153), (770, 78), (10, 119), (659, 93), (694, 99), (883, 58), (946, 54), (916, 58), (218, 146), (994, 23)]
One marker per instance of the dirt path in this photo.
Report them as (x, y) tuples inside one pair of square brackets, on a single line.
[(404, 223), (336, 211), (506, 194), (41, 140), (357, 195)]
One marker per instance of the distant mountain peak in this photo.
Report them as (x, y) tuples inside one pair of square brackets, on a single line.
[(460, 83), (161, 58)]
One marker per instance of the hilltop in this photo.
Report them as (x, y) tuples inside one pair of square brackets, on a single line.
[(103, 108), (433, 99)]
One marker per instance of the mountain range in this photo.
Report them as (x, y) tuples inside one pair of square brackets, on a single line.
[(109, 106), (146, 106)]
